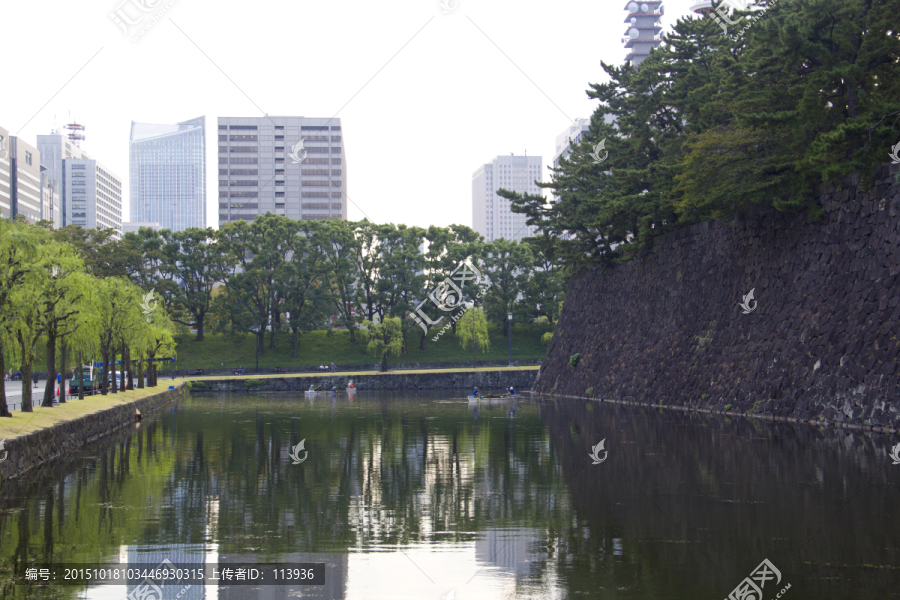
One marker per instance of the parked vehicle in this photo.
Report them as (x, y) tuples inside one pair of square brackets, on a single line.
[(90, 381)]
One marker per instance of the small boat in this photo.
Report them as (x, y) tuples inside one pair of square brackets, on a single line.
[(492, 396), (313, 393)]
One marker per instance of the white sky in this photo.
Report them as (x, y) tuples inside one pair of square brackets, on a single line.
[(424, 97)]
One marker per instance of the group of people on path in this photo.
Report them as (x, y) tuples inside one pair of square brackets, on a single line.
[(324, 369)]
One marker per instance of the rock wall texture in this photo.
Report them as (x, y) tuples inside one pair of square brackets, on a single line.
[(486, 380), (249, 369), (821, 344), (62, 440)]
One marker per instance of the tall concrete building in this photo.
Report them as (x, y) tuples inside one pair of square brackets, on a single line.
[(491, 214), (5, 175), (167, 174), (644, 29), (26, 188), (88, 193), (291, 166)]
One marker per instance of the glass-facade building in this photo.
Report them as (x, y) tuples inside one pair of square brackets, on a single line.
[(167, 173)]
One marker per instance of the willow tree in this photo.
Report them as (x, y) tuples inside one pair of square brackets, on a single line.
[(62, 299), (18, 247), (384, 338), (27, 327), (471, 329)]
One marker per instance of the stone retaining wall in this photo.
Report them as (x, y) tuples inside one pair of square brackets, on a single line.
[(63, 439), (486, 380), (821, 343), (249, 369)]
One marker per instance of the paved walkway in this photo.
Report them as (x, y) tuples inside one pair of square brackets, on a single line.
[(14, 393)]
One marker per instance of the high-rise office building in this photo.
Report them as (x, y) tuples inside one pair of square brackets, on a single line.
[(88, 193), (643, 29), (5, 175), (167, 174), (291, 166), (491, 214), (26, 191)]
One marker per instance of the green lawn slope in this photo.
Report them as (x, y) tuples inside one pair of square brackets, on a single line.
[(317, 348)]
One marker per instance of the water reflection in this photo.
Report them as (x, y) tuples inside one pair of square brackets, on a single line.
[(415, 496)]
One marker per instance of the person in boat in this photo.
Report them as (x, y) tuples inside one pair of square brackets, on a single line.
[(350, 386), (312, 388), (333, 390), (475, 393), (511, 391)]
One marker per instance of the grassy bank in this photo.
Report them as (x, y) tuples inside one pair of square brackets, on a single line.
[(317, 348), (24, 423)]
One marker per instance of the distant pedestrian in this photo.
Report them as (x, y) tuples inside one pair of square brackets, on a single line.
[(35, 378), (333, 368)]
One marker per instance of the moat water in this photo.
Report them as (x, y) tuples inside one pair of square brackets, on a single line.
[(427, 495)]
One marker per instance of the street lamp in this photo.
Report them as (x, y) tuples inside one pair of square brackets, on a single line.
[(509, 316)]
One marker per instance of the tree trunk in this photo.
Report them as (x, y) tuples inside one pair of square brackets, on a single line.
[(384, 364), (50, 388), (104, 373), (130, 368), (276, 320), (121, 384), (140, 374), (295, 339), (63, 370), (422, 341), (112, 381), (26, 385), (81, 377), (199, 319), (4, 408)]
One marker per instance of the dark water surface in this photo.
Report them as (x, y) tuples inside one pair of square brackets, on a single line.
[(427, 496)]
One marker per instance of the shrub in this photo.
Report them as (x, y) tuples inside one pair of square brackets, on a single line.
[(589, 391), (573, 360)]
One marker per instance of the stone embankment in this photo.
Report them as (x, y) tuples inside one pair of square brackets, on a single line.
[(249, 370), (819, 341), (487, 380), (63, 439)]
